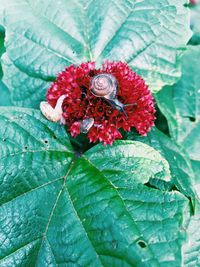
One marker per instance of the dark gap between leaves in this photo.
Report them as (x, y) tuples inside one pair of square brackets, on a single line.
[(151, 186), (174, 188), (167, 186), (161, 121), (142, 244), (190, 5), (192, 119), (191, 204)]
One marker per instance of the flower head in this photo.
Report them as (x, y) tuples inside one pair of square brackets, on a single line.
[(193, 2), (81, 103)]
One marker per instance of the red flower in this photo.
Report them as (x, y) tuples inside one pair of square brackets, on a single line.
[(80, 103), (75, 128)]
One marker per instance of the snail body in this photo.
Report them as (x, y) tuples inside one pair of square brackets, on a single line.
[(106, 86), (86, 125), (50, 113), (55, 114)]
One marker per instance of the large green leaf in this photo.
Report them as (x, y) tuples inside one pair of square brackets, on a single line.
[(195, 24), (192, 246), (42, 37), (129, 157), (32, 151), (180, 104), (58, 210), (180, 166), (4, 92), (5, 97), (2, 48)]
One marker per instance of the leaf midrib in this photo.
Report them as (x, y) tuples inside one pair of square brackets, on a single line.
[(52, 211), (18, 249), (125, 208), (76, 214), (32, 190), (35, 151), (54, 207)]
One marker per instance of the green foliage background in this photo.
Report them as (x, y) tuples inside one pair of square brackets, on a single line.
[(135, 203)]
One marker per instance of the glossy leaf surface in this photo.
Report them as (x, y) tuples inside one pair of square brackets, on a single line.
[(58, 210), (43, 37)]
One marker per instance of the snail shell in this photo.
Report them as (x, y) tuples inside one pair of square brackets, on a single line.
[(104, 85), (52, 114), (86, 125)]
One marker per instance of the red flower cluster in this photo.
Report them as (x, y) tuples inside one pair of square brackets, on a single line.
[(81, 104), (193, 2)]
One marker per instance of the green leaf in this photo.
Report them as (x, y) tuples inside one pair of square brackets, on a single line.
[(130, 159), (5, 97), (2, 48), (58, 210), (192, 246), (186, 178), (181, 105), (179, 163), (195, 24), (42, 37), (196, 169), (31, 148)]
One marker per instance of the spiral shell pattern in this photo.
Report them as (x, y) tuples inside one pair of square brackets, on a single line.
[(104, 85)]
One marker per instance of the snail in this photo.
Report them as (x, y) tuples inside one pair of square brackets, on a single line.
[(53, 114), (106, 86), (86, 125)]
